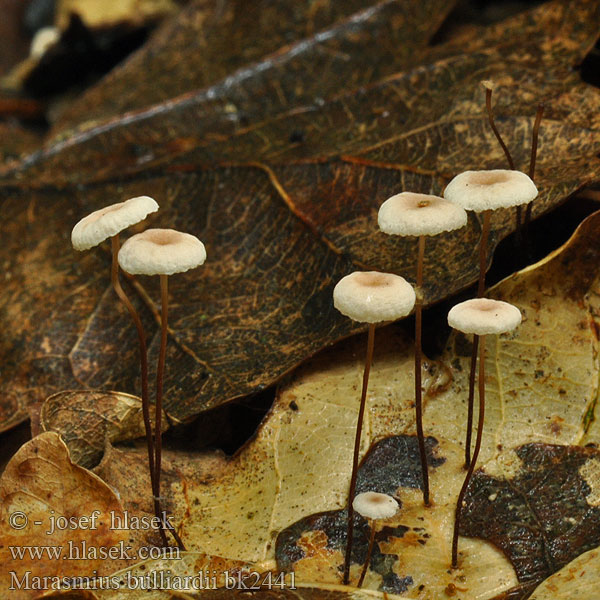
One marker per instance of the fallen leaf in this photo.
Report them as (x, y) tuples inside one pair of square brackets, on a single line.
[(576, 581), (39, 487), (316, 202), (86, 420), (298, 465), (411, 555), (540, 505), (238, 62), (107, 13)]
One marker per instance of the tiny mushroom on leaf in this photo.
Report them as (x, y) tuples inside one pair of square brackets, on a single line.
[(369, 297), (419, 215), (161, 252), (373, 506), (92, 230), (480, 316), (484, 191)]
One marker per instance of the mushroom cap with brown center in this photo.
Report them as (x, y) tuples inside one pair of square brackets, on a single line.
[(483, 316), (373, 297), (110, 220), (373, 505), (161, 252), (489, 190), (410, 213)]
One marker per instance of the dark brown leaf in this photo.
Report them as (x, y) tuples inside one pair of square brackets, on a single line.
[(294, 213), (543, 514), (230, 61)]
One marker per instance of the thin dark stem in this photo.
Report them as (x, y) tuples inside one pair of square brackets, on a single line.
[(511, 164), (143, 363), (418, 357), (369, 553), (483, 243), (164, 294), (488, 104), (485, 233), (472, 374), (534, 145), (361, 413), (461, 496)]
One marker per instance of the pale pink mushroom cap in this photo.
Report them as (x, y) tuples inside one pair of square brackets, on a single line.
[(489, 190), (372, 297), (410, 213), (161, 252), (483, 316), (110, 220), (373, 505)]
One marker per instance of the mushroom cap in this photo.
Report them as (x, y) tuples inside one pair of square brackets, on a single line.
[(372, 297), (483, 316), (110, 220), (488, 190), (161, 252), (373, 505), (409, 213)]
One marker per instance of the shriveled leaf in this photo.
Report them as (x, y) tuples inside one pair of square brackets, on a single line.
[(281, 231), (579, 580), (86, 420), (540, 504), (40, 486)]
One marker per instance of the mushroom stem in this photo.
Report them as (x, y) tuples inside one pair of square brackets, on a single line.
[(369, 553), (511, 164), (480, 290), (361, 413), (418, 355), (461, 496), (164, 296), (143, 362), (534, 144), (488, 104)]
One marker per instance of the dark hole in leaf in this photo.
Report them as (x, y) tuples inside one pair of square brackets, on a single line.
[(590, 67), (479, 12), (81, 56), (227, 427)]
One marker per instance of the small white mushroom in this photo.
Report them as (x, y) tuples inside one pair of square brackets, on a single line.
[(369, 297), (488, 190), (484, 191), (481, 316), (373, 506), (111, 220), (92, 230), (161, 252), (373, 297), (412, 214), (415, 214)]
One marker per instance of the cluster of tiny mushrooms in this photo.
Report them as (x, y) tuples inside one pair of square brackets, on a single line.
[(364, 296)]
